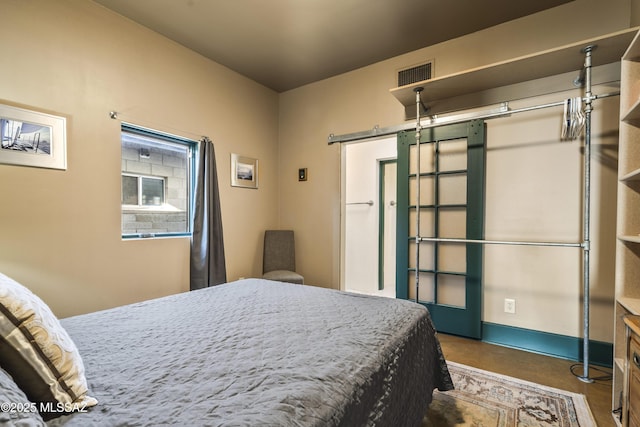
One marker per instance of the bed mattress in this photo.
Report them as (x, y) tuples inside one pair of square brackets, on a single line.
[(259, 353)]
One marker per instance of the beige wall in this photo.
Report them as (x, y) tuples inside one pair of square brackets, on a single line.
[(534, 193), (60, 230), (359, 100)]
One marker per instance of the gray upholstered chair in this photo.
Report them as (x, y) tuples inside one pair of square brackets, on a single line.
[(279, 257)]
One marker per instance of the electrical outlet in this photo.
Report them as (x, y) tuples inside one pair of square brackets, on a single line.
[(510, 306)]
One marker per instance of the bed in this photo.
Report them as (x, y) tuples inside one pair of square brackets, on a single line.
[(253, 353)]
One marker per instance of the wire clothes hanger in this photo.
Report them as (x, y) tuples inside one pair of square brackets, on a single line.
[(573, 120)]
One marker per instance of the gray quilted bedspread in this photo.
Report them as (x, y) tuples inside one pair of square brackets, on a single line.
[(259, 353)]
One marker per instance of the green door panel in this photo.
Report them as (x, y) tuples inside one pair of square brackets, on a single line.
[(452, 178)]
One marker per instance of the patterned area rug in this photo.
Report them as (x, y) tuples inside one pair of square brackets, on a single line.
[(483, 399)]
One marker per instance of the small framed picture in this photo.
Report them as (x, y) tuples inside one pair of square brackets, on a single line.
[(244, 171), (32, 138)]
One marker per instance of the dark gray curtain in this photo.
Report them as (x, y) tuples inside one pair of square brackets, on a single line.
[(207, 245)]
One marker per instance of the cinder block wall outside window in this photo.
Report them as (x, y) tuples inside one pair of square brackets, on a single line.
[(167, 164)]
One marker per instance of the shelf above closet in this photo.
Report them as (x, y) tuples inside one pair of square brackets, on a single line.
[(610, 48)]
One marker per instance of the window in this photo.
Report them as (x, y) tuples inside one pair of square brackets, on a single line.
[(157, 183), (142, 190)]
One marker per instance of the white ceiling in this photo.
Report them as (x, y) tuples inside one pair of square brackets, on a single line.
[(284, 44)]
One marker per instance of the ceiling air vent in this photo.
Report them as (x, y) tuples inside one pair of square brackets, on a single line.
[(415, 74)]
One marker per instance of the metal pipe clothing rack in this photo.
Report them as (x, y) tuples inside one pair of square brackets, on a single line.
[(504, 111), (584, 245)]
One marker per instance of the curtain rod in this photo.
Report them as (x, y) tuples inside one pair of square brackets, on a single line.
[(151, 126)]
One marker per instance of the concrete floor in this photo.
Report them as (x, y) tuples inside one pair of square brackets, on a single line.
[(550, 371)]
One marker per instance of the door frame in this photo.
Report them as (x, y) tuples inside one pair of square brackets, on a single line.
[(382, 217), (344, 147)]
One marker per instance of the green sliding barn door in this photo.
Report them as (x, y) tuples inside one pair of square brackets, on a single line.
[(451, 175)]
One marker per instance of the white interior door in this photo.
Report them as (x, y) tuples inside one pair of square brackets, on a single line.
[(362, 234)]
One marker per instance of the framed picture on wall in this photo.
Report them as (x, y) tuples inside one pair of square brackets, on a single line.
[(32, 138), (244, 171)]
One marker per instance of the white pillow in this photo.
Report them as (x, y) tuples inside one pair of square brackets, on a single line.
[(37, 351)]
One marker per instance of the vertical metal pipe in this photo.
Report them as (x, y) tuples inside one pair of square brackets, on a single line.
[(436, 217), (418, 135), (586, 212)]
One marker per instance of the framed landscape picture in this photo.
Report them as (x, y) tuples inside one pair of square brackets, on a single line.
[(244, 171), (32, 138)]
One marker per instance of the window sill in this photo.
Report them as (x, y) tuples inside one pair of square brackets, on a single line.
[(160, 208), (147, 236)]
